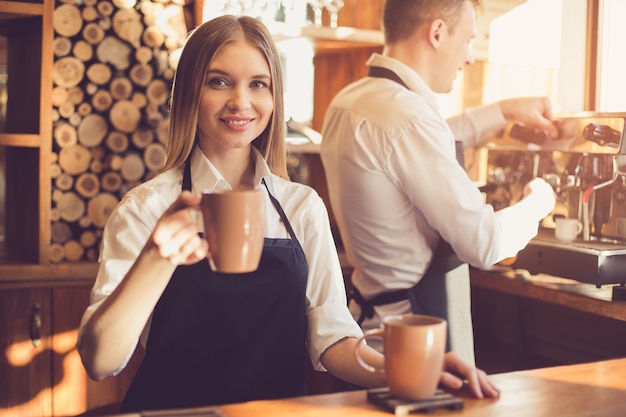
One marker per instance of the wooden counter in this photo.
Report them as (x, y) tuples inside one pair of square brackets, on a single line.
[(524, 321), (592, 389), (560, 291)]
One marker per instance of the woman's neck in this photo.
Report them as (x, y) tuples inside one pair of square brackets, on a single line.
[(235, 165)]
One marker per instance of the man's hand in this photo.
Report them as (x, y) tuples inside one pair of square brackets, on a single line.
[(533, 112)]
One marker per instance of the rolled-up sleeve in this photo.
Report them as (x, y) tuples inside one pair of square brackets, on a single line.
[(126, 232), (474, 124)]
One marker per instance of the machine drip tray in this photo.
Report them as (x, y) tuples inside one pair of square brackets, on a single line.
[(594, 262)]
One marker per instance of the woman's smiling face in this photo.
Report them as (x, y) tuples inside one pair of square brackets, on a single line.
[(237, 101)]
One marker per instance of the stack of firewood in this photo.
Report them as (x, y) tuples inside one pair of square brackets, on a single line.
[(114, 62)]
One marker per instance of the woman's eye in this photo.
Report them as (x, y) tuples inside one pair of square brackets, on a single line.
[(217, 82), (258, 84)]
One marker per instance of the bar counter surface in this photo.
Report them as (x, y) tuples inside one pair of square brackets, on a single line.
[(590, 389), (565, 292)]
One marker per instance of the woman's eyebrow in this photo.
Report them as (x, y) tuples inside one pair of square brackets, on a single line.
[(225, 73)]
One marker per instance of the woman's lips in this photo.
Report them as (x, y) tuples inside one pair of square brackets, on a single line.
[(238, 124)]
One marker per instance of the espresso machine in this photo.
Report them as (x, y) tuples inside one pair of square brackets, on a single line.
[(586, 166)]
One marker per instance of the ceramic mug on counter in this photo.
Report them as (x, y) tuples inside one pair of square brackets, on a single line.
[(566, 230), (234, 225), (414, 349)]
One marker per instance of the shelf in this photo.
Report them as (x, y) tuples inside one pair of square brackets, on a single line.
[(17, 9), (26, 136), (14, 276), (347, 34), (282, 31), (26, 140)]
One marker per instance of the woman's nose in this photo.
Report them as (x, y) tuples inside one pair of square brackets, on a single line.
[(239, 99)]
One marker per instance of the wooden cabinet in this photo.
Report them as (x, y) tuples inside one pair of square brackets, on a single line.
[(362, 14), (524, 321), (337, 64), (49, 379), (26, 369), (83, 104), (42, 374), (25, 137)]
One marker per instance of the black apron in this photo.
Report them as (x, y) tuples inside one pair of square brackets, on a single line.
[(429, 295), (222, 338)]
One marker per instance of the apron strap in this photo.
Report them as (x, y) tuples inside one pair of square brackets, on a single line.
[(187, 186), (280, 211), (285, 220), (381, 72), (187, 175), (421, 295)]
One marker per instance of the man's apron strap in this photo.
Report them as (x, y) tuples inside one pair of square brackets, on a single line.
[(422, 295), (381, 72)]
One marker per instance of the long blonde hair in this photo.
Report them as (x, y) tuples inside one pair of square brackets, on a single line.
[(199, 49)]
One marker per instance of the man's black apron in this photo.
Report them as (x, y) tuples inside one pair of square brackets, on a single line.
[(223, 338), (429, 295)]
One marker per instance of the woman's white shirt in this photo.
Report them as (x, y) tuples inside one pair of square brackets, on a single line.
[(131, 223)]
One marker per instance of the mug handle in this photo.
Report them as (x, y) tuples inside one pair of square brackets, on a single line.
[(357, 349), (579, 227)]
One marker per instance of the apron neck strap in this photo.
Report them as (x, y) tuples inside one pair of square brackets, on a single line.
[(381, 72)]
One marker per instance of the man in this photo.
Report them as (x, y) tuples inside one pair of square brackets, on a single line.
[(396, 188)]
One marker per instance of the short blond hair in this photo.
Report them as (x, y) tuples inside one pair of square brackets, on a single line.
[(402, 17)]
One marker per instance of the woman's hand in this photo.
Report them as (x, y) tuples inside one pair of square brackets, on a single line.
[(176, 234), (457, 373)]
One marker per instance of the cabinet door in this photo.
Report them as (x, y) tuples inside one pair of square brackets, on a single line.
[(337, 64), (74, 392), (25, 369), (70, 389)]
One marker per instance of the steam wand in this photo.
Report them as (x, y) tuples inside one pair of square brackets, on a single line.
[(587, 196)]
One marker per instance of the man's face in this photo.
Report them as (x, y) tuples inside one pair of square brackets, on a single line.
[(455, 51)]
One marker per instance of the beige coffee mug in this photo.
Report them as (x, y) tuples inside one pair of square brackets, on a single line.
[(566, 230), (414, 349), (234, 225)]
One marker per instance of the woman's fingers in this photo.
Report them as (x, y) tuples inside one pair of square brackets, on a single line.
[(176, 234)]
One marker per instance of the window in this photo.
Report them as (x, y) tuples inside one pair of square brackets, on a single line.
[(611, 69), (542, 47), (538, 48)]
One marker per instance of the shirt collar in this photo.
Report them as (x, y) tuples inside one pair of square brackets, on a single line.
[(205, 176), (407, 74)]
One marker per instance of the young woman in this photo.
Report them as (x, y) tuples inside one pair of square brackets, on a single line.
[(213, 338)]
